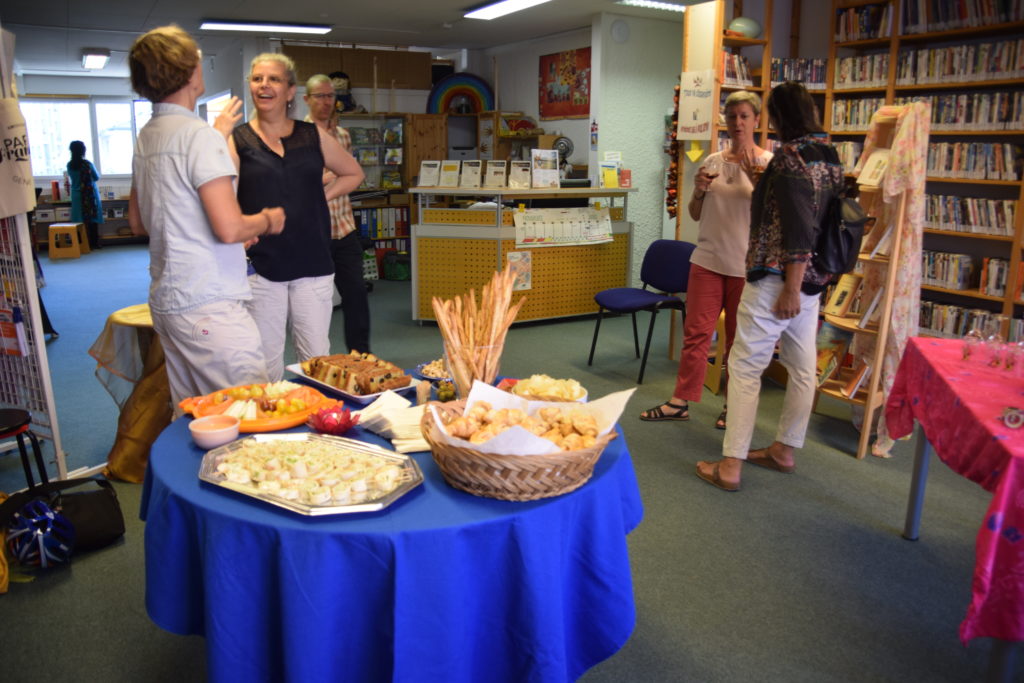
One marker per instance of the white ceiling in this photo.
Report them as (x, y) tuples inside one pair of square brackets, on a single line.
[(50, 34)]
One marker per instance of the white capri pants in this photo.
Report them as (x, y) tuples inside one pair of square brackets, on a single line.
[(757, 331), (210, 348), (303, 306)]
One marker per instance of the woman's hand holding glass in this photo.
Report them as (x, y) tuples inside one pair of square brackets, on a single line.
[(706, 174), (753, 164)]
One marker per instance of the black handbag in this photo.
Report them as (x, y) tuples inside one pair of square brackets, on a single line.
[(94, 513)]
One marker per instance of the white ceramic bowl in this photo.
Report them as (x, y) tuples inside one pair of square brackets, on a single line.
[(214, 430)]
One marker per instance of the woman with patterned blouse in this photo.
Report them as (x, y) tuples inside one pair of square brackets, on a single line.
[(780, 300)]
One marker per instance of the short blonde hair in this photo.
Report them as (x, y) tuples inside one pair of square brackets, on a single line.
[(162, 61), (741, 96), (282, 59), (317, 79)]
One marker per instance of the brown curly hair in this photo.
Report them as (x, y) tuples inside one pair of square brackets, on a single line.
[(162, 61)]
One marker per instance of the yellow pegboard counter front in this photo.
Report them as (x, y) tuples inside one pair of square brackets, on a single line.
[(455, 250)]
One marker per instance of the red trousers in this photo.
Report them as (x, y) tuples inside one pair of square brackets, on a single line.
[(707, 294)]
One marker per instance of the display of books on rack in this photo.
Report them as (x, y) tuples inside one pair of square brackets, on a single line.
[(849, 153), (984, 111), (450, 169), (843, 294), (949, 320), (545, 168), (392, 132), (735, 70), (393, 156), (922, 16), (874, 168), (976, 215), (832, 344), (872, 311), (519, 174), (471, 173), (12, 330), (495, 174), (863, 71), (430, 173), (811, 72), (864, 22), (946, 270), (367, 157), (860, 374), (883, 246), (391, 180), (609, 172)]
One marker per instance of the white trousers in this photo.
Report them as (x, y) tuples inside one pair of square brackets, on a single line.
[(757, 331), (303, 306), (210, 348)]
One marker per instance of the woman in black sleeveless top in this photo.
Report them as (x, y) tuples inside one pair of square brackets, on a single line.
[(280, 163)]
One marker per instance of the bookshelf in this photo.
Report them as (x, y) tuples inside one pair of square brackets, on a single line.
[(378, 144), (964, 58), (742, 63)]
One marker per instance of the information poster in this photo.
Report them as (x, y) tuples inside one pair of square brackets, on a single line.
[(562, 227), (696, 106)]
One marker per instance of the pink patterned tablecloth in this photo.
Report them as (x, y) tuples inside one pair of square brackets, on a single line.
[(958, 404)]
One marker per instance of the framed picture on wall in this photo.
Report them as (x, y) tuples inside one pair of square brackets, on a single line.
[(565, 85)]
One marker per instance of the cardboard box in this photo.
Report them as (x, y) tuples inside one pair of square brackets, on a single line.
[(45, 215)]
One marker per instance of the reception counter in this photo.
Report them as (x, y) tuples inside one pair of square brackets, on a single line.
[(461, 236)]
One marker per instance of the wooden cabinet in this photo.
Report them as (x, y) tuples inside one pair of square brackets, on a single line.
[(962, 58), (384, 69), (426, 138)]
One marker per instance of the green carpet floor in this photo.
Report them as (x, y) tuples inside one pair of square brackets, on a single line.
[(799, 577)]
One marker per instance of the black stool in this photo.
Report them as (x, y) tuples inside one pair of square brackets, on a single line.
[(16, 423)]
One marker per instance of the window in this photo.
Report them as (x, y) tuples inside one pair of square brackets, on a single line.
[(52, 126), (116, 142)]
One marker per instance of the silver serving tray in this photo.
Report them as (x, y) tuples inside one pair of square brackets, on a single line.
[(413, 476)]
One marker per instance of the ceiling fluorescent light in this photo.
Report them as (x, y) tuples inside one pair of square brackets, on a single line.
[(494, 10), (258, 27), (653, 4), (95, 57)]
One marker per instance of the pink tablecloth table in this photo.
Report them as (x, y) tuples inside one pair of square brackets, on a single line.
[(958, 404)]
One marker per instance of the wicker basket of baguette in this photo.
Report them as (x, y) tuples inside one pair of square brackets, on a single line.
[(508, 477)]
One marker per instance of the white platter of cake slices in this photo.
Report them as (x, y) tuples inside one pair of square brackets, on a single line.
[(359, 378)]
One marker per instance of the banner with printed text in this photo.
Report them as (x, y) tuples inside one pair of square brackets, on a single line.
[(696, 106)]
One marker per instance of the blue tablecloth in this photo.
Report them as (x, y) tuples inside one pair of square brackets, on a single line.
[(441, 586)]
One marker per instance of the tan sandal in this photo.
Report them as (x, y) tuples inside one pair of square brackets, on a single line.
[(715, 479)]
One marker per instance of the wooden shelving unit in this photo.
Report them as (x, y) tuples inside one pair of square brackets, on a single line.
[(897, 43)]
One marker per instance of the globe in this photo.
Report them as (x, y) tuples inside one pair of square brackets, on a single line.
[(745, 26)]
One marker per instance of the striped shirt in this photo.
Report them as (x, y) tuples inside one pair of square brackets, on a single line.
[(342, 220)]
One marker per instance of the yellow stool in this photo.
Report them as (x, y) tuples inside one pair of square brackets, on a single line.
[(64, 240), (83, 239)]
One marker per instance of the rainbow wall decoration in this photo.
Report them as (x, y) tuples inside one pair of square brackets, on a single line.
[(460, 88)]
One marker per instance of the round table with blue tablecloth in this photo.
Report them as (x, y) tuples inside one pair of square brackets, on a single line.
[(440, 586)]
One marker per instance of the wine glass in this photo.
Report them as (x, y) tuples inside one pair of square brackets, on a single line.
[(712, 168)]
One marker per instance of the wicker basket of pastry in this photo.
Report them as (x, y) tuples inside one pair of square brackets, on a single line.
[(513, 477)]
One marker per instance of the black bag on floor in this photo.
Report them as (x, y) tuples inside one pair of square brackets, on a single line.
[(93, 512)]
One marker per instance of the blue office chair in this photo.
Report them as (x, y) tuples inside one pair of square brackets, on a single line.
[(666, 268)]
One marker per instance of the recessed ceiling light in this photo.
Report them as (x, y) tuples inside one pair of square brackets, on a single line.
[(259, 27), (493, 10), (653, 4), (95, 57)]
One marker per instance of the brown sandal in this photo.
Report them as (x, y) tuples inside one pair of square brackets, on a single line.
[(679, 413), (720, 422), (761, 458), (715, 479)]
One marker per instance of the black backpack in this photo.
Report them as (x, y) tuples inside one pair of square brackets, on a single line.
[(840, 235)]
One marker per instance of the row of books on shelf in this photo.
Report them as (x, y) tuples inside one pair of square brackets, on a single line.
[(849, 152), (948, 320), (378, 177), (371, 156), (974, 215), (382, 222), (735, 70), (854, 114), (995, 274), (540, 171), (964, 63), (847, 298), (864, 22), (974, 111), (810, 72), (974, 160), (925, 16), (862, 71), (389, 134), (946, 269)]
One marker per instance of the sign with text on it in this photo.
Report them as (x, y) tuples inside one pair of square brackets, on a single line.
[(696, 106), (562, 227)]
